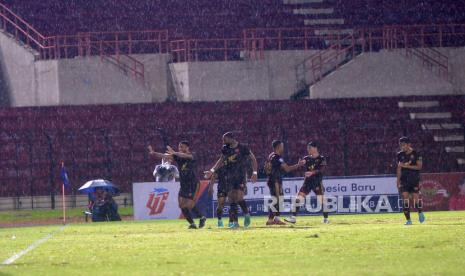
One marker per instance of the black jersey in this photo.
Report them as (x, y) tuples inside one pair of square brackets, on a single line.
[(187, 168), (220, 175), (315, 164), (412, 159), (274, 170), (235, 160)]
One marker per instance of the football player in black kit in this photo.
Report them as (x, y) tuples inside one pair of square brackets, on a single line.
[(234, 159), (274, 168), (409, 166), (188, 180), (314, 166), (221, 194)]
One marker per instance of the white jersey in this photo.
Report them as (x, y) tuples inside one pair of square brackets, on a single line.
[(165, 173)]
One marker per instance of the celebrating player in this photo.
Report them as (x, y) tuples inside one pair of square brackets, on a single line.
[(408, 179), (234, 160), (314, 166), (189, 182), (274, 168), (221, 194)]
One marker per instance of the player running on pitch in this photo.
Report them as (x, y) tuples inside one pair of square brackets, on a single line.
[(234, 158), (408, 179), (221, 194), (188, 180), (274, 168), (314, 166)]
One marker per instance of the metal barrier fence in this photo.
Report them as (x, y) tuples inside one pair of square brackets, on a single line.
[(44, 202)]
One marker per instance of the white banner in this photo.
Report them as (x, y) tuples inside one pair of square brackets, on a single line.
[(333, 186), (155, 200), (348, 195), (159, 200)]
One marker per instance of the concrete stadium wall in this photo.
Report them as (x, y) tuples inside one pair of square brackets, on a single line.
[(19, 72), (91, 81), (227, 81), (274, 77), (387, 73), (384, 73), (27, 82), (456, 68), (47, 82), (157, 76), (179, 73)]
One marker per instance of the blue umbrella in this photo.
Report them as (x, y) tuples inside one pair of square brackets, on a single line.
[(90, 186)]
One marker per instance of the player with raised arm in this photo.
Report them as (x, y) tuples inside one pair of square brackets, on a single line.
[(410, 163), (314, 166), (274, 168), (234, 158), (186, 162)]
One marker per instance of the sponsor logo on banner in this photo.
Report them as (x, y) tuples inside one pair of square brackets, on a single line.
[(157, 200), (431, 191), (443, 191)]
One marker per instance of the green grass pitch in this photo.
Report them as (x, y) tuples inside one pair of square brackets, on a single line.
[(350, 245)]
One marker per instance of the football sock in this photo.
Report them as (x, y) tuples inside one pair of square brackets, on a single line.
[(197, 212), (297, 207), (406, 209), (219, 212), (244, 208), (233, 212), (419, 206), (187, 215)]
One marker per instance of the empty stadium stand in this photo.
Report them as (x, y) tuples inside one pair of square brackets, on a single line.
[(224, 18), (359, 136)]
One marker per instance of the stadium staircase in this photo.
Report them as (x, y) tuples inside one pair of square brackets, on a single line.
[(317, 66), (441, 123), (342, 50), (44, 47), (414, 49), (322, 15)]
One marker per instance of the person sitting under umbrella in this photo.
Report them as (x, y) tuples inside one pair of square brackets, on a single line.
[(101, 203), (103, 206)]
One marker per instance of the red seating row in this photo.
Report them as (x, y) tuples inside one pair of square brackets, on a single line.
[(359, 136)]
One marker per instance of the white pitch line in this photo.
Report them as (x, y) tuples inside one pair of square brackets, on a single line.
[(33, 246)]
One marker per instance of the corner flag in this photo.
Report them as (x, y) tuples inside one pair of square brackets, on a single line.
[(64, 176), (66, 183)]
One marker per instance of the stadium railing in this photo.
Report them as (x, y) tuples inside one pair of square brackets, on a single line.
[(253, 43), (185, 50), (375, 38), (23, 31), (114, 47)]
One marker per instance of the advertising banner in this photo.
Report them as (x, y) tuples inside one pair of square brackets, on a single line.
[(362, 194), (159, 200), (346, 195), (443, 191)]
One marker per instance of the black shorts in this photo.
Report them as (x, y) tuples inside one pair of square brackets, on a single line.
[(237, 183), (188, 190), (411, 186), (312, 184), (222, 189), (272, 187)]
